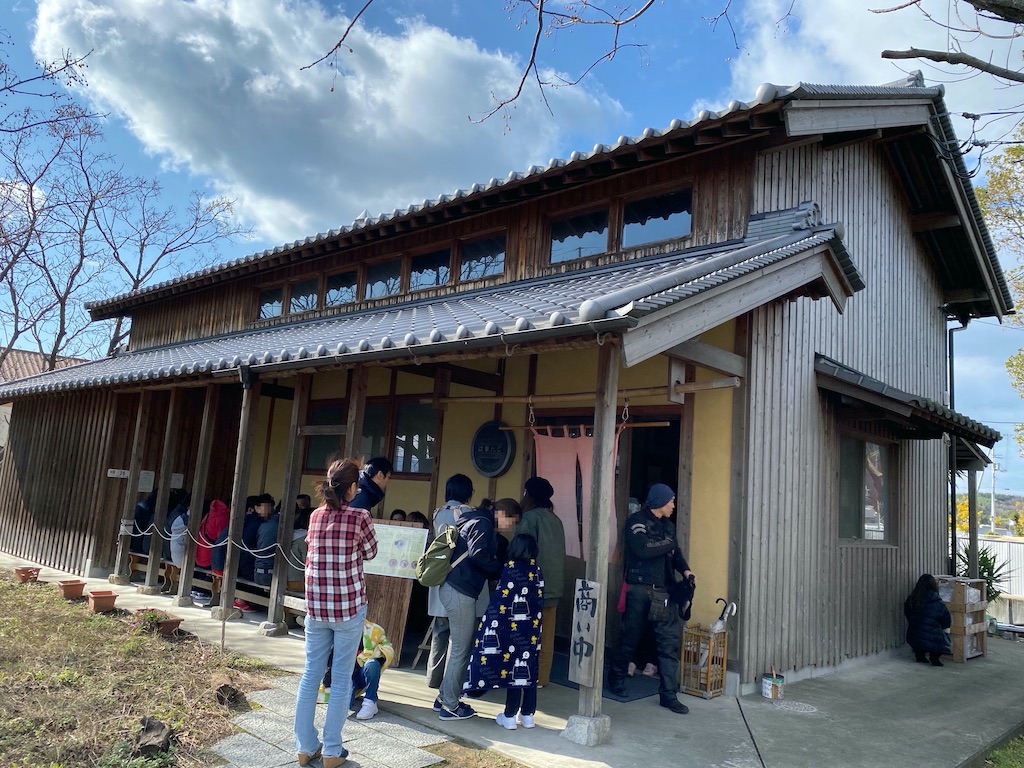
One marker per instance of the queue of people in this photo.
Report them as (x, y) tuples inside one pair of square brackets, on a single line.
[(493, 617)]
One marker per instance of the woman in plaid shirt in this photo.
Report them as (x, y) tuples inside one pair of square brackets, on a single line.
[(340, 537)]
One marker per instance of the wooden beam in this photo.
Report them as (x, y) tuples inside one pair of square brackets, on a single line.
[(929, 222), (197, 505), (710, 357), (163, 494), (459, 375), (442, 385), (275, 623), (243, 462), (602, 500), (310, 430), (121, 574), (358, 377)]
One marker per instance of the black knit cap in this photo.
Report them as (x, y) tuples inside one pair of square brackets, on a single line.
[(540, 490)]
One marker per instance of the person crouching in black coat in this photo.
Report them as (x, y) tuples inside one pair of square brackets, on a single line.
[(927, 617)]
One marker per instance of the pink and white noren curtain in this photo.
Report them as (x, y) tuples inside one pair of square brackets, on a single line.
[(558, 458)]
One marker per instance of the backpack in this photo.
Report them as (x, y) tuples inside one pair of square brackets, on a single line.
[(434, 565)]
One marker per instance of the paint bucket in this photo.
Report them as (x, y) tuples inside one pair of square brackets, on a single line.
[(771, 686)]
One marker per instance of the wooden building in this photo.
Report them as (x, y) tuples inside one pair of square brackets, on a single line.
[(751, 306)]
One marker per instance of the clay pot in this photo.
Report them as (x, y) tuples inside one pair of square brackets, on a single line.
[(102, 600), (26, 573), (168, 626), (71, 589)]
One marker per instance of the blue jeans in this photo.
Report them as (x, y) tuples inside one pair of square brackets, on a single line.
[(462, 621), (367, 677), (321, 638)]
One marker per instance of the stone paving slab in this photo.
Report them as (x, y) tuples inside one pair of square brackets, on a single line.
[(243, 749), (404, 730)]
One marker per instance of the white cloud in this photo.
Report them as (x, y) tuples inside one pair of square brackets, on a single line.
[(216, 87)]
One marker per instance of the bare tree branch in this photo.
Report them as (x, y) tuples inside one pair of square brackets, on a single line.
[(1005, 10), (953, 57)]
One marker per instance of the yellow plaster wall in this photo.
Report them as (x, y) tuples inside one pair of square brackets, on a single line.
[(709, 508)]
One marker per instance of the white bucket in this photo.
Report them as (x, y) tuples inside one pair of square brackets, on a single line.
[(771, 686)]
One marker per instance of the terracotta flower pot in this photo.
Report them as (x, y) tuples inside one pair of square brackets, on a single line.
[(169, 625), (102, 600), (71, 589), (26, 573)]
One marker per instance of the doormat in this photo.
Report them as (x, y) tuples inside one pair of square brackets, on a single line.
[(637, 687)]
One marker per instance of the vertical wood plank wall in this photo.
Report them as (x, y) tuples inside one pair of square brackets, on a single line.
[(53, 474), (807, 600)]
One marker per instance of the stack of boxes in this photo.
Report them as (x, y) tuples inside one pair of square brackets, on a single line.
[(965, 599)]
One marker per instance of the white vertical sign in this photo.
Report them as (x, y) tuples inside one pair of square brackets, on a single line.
[(146, 479), (586, 602)]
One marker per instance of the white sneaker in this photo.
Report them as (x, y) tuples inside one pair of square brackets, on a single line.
[(508, 723), (368, 710), (525, 720)]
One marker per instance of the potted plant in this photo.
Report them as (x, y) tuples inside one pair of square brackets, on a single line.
[(102, 600), (71, 589), (155, 620), (27, 573)]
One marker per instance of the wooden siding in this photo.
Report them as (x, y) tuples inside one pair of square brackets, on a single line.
[(721, 200), (53, 475), (805, 599), (57, 505)]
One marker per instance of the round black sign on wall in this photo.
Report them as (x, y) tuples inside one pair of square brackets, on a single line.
[(492, 450)]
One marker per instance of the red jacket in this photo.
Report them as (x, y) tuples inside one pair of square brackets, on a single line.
[(215, 521)]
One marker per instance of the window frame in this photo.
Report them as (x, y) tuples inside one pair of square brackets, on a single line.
[(891, 476), (461, 243), (615, 207)]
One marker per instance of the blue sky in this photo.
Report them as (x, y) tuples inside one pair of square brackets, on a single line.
[(211, 95)]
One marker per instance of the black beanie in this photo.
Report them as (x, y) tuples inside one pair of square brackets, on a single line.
[(540, 490)]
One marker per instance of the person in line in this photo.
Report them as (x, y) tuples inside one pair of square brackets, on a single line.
[(398, 514), (459, 594), (266, 540), (303, 510), (927, 619), (543, 524), (652, 558), (419, 518), (374, 654), (508, 640), (213, 528), (507, 515), (458, 490), (373, 479), (340, 538)]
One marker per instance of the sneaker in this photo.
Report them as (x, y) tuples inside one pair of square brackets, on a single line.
[(675, 705), (461, 712), (650, 670), (437, 704), (631, 670), (368, 710), (199, 597), (525, 720), (242, 605), (508, 723)]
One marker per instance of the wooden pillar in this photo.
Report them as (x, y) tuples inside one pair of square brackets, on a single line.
[(972, 525), (197, 505), (356, 405), (163, 494), (243, 462), (590, 726), (121, 574), (442, 388), (275, 623)]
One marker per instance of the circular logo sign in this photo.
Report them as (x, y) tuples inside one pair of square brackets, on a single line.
[(492, 450)]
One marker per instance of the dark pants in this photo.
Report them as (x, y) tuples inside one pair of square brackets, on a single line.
[(523, 700), (666, 640)]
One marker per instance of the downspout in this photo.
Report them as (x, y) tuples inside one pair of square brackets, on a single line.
[(952, 457)]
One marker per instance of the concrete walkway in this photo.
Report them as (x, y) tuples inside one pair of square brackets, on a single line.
[(886, 711)]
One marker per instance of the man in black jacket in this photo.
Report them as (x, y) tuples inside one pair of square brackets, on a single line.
[(652, 558), (373, 479)]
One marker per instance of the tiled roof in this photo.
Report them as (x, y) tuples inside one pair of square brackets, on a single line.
[(610, 298), (966, 426), (909, 88), (20, 363)]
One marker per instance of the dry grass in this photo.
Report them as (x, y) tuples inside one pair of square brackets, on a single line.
[(74, 686)]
